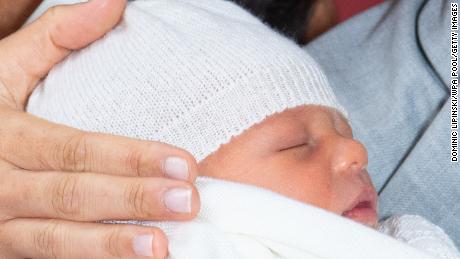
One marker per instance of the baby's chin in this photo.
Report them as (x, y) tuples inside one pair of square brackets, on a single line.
[(366, 217), (371, 223)]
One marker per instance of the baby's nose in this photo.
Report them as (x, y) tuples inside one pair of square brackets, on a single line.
[(348, 156)]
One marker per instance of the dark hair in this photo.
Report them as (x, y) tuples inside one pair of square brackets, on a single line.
[(289, 17)]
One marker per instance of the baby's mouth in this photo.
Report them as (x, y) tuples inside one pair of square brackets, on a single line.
[(363, 209)]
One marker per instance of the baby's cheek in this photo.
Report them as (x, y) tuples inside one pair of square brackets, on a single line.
[(299, 180), (290, 173), (318, 190)]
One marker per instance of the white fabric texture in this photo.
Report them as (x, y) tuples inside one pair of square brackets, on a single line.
[(422, 234), (246, 222), (189, 73)]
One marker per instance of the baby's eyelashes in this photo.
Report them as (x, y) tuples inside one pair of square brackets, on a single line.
[(293, 147)]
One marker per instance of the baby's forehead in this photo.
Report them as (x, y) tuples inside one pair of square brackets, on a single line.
[(292, 122), (295, 125), (302, 114)]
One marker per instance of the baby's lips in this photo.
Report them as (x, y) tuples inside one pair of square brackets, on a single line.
[(363, 209)]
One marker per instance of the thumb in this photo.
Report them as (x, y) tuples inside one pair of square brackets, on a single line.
[(27, 55)]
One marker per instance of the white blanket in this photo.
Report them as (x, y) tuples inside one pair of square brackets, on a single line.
[(241, 221)]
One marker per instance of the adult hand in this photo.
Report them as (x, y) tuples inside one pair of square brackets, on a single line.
[(56, 181)]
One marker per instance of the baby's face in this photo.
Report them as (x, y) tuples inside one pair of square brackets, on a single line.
[(306, 153)]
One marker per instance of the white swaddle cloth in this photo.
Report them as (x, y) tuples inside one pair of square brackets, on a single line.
[(420, 233), (193, 74), (246, 222)]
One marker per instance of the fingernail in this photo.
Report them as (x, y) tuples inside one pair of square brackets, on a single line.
[(143, 245), (179, 200), (176, 168)]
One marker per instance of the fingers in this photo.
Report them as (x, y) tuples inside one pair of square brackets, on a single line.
[(29, 54), (92, 197), (39, 238), (35, 144)]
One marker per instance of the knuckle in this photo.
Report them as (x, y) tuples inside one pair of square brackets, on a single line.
[(135, 200), (75, 153), (7, 239), (66, 197), (4, 196), (48, 19), (10, 193), (115, 243), (133, 162), (48, 240), (50, 13)]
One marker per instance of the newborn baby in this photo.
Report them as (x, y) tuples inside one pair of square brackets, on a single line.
[(306, 153), (253, 108)]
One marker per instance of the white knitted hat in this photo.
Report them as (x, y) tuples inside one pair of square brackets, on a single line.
[(188, 73)]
